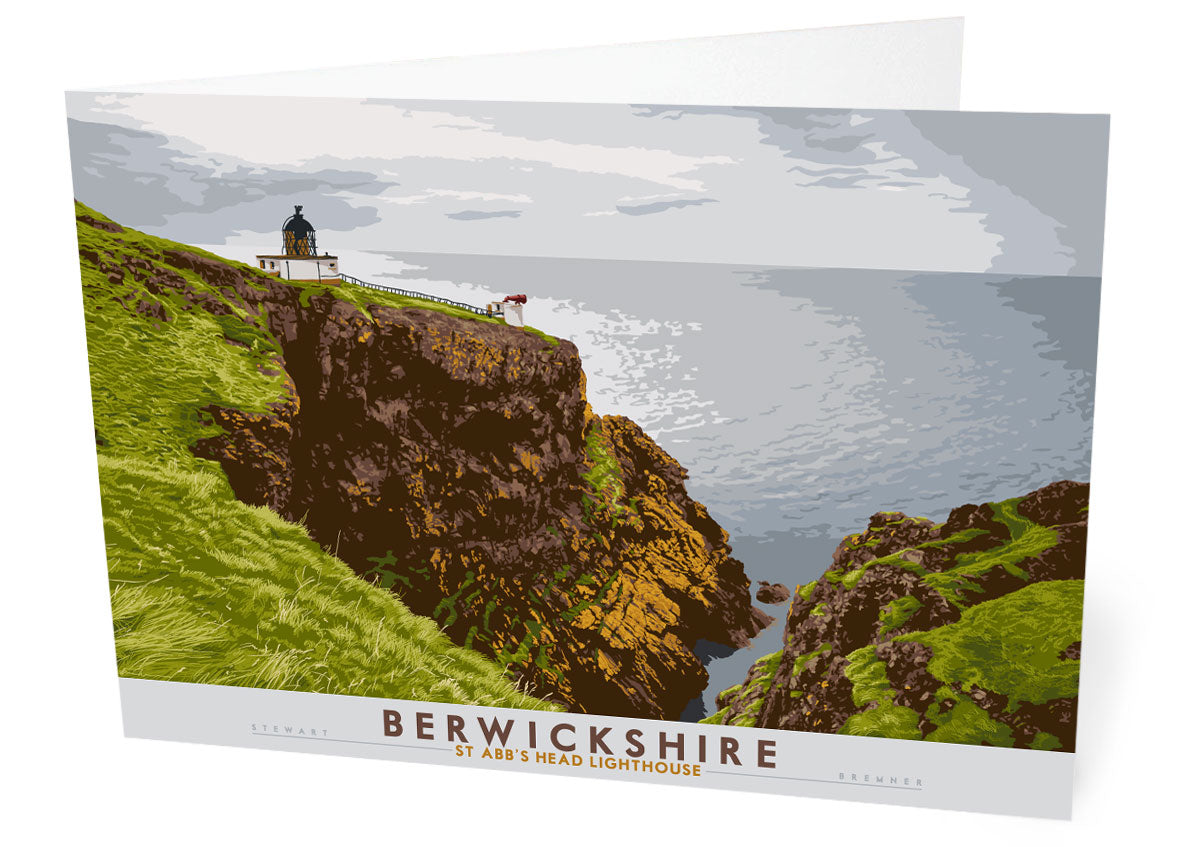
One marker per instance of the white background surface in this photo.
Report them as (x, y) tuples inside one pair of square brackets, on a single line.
[(73, 778), (906, 64)]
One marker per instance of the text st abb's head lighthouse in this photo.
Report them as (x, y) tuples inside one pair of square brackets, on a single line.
[(298, 259)]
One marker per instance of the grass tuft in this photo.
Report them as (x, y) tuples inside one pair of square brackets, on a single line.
[(207, 589)]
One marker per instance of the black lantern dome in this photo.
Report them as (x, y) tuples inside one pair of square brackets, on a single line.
[(299, 238)]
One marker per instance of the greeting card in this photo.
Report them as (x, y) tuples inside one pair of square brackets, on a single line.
[(729, 445)]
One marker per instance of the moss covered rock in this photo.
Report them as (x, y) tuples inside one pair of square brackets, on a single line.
[(967, 631)]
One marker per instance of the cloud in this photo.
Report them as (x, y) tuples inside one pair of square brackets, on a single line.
[(664, 205), (854, 181), (811, 187), (476, 215), (908, 188), (1057, 163), (144, 180)]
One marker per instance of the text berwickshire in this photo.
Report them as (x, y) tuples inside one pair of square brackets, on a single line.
[(566, 737)]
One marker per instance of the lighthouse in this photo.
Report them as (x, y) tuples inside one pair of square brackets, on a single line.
[(298, 259)]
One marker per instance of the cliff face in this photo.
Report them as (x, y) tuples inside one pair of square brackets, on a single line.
[(458, 463), (967, 631)]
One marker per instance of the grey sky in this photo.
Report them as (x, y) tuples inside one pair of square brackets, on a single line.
[(809, 187)]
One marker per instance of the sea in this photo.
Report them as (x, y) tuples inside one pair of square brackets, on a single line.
[(803, 400)]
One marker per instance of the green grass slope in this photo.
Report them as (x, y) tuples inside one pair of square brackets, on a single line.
[(204, 588), (150, 376), (1010, 646)]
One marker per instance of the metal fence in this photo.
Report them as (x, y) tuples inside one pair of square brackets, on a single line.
[(417, 294)]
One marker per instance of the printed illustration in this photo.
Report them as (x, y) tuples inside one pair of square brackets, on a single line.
[(759, 417)]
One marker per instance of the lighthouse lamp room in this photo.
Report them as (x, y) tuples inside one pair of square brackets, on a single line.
[(299, 260)]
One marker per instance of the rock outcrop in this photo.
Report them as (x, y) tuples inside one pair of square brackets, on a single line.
[(458, 463), (967, 631), (772, 593)]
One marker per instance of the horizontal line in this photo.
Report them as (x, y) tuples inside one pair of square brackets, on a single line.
[(349, 741), (827, 781), (726, 773)]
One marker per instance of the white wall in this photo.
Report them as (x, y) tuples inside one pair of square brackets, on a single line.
[(325, 267)]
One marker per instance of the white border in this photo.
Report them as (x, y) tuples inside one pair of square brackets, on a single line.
[(910, 773)]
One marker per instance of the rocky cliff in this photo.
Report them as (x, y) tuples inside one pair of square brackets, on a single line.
[(457, 462), (967, 631)]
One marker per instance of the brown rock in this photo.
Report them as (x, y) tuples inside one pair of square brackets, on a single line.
[(1061, 502), (888, 532), (772, 593), (151, 309), (106, 226), (456, 461)]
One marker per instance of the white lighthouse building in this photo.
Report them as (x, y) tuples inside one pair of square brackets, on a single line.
[(299, 259)]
